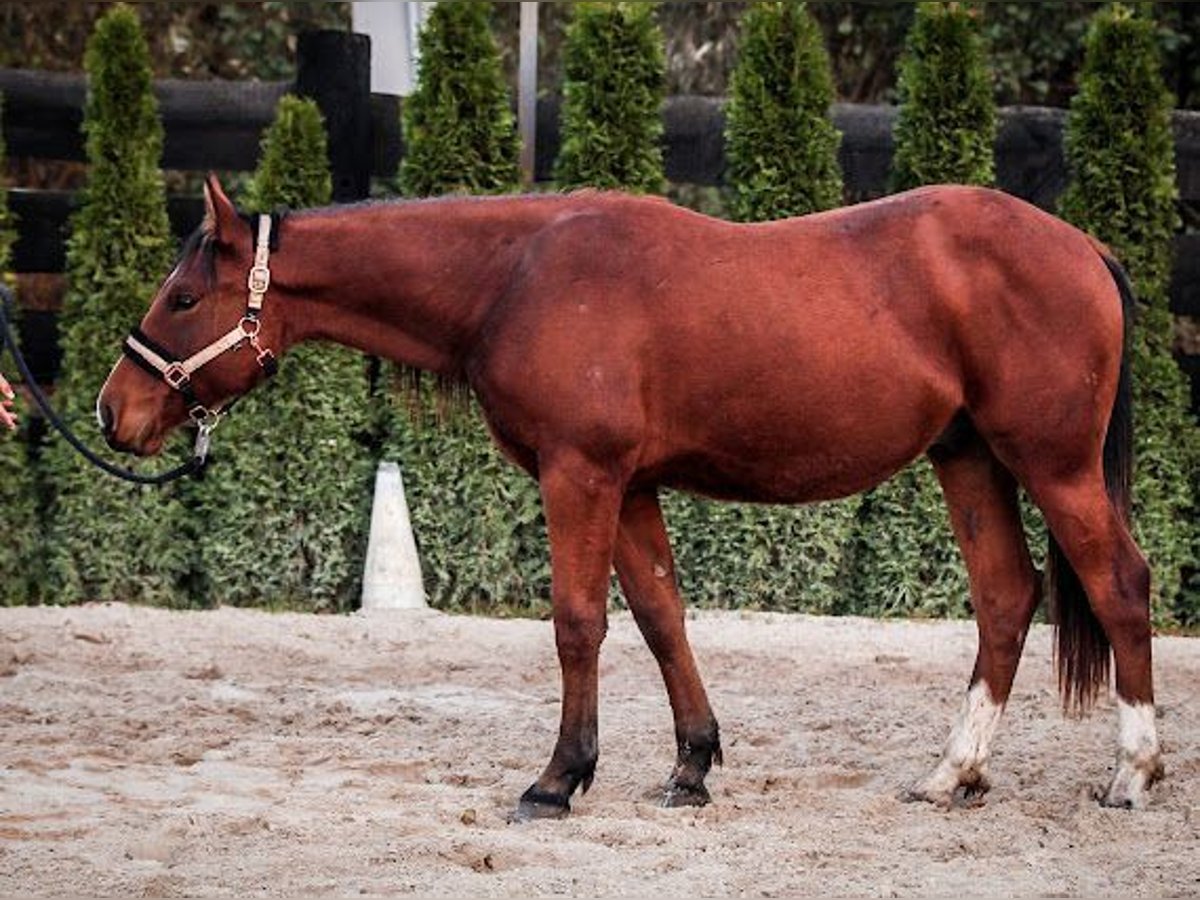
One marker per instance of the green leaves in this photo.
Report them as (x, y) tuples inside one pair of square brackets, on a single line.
[(286, 504), (108, 540), (781, 146), (19, 524), (946, 126), (477, 518), (614, 80), (459, 130), (1120, 150), (293, 171)]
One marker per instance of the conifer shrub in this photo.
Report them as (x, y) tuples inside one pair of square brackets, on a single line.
[(946, 123), (286, 502), (1120, 150), (19, 558), (902, 558), (459, 130), (782, 151), (109, 540), (780, 143), (614, 71), (476, 518)]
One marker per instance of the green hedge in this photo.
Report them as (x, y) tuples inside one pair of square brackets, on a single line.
[(782, 151), (459, 131), (946, 123), (614, 79), (19, 561), (902, 557), (780, 144), (286, 503), (1120, 150), (109, 540), (476, 518)]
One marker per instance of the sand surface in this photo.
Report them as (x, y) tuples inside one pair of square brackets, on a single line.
[(148, 753)]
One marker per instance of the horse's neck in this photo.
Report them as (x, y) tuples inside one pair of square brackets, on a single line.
[(410, 282)]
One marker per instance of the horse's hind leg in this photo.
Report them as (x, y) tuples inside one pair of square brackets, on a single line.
[(1112, 571), (647, 573), (1005, 591)]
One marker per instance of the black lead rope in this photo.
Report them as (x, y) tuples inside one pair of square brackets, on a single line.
[(195, 465)]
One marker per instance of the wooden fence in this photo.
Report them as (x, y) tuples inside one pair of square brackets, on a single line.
[(218, 125)]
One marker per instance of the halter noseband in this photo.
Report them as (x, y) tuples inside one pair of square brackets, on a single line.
[(177, 373)]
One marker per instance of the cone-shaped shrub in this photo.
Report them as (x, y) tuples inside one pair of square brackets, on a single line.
[(19, 559), (286, 502), (1120, 150), (902, 558), (946, 126), (780, 144), (459, 130), (476, 518), (782, 152), (110, 540), (614, 69)]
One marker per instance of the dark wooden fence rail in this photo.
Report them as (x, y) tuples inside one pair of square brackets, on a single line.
[(218, 125)]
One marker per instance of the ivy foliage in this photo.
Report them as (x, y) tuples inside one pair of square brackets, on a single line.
[(946, 124), (614, 69), (781, 145), (1120, 150), (783, 161), (783, 558), (19, 560), (476, 518), (902, 557), (285, 504), (109, 540), (459, 130)]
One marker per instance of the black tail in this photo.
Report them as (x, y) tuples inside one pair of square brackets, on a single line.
[(1082, 653)]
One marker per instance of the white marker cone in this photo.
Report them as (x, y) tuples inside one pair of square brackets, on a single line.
[(392, 574)]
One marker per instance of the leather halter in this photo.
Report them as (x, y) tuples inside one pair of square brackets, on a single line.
[(177, 373)]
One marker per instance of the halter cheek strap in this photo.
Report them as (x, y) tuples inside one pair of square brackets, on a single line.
[(177, 373)]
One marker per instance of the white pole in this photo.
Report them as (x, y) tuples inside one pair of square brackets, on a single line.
[(393, 27), (527, 91), (392, 574)]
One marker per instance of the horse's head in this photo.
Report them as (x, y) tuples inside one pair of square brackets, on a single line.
[(202, 342)]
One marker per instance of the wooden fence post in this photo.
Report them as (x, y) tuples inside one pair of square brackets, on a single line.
[(334, 69)]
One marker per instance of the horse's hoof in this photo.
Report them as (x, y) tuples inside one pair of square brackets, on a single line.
[(1131, 784), (535, 804), (676, 795)]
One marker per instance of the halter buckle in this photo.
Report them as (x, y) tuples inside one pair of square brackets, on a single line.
[(250, 326), (259, 280), (176, 376)]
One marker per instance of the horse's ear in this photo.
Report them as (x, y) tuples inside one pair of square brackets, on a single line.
[(220, 215)]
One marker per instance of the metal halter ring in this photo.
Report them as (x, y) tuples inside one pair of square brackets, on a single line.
[(250, 326)]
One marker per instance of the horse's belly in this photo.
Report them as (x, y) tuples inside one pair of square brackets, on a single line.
[(767, 449)]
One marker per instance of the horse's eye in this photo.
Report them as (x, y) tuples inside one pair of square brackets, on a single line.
[(183, 301)]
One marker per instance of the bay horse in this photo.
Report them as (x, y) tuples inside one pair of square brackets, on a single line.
[(617, 345)]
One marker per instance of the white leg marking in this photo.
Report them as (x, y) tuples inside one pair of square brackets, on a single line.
[(964, 761), (1139, 761)]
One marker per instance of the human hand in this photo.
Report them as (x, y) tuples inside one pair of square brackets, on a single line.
[(7, 416)]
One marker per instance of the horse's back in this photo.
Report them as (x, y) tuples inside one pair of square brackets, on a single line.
[(805, 358)]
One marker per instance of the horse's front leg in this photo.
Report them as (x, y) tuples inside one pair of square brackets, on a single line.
[(581, 502), (647, 573)]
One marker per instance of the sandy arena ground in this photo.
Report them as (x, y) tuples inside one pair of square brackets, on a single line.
[(150, 753)]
